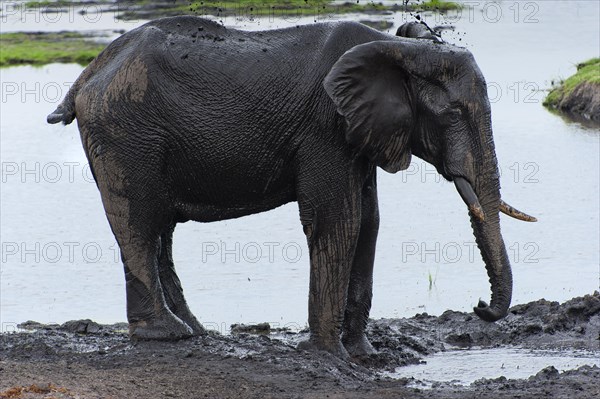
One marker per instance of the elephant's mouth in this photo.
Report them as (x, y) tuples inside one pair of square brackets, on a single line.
[(465, 189)]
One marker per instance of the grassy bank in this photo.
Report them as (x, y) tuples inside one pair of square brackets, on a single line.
[(45, 48), (580, 93), (149, 9), (439, 5), (52, 3), (311, 7), (281, 8), (286, 8), (587, 72)]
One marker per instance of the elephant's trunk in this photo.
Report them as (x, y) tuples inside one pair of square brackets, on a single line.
[(490, 243), (486, 227), (489, 240), (485, 220)]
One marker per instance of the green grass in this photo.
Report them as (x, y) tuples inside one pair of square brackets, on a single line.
[(440, 5), (36, 4), (432, 279), (45, 48), (279, 8), (46, 3), (309, 7), (258, 7), (587, 72)]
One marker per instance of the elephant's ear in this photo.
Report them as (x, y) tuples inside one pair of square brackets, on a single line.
[(371, 90)]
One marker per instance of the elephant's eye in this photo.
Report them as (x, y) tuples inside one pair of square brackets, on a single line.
[(454, 115)]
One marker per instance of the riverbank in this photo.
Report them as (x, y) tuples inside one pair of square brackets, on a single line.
[(42, 48), (84, 359), (579, 94), (143, 9)]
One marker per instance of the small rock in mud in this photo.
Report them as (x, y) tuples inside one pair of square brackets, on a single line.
[(86, 326), (261, 328), (461, 340), (34, 325), (549, 373)]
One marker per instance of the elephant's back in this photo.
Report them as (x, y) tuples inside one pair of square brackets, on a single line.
[(197, 51), (206, 52), (181, 60), (183, 79), (184, 59)]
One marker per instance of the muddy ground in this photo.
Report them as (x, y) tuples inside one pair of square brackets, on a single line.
[(82, 359)]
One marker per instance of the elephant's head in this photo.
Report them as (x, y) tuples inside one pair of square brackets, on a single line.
[(406, 96)]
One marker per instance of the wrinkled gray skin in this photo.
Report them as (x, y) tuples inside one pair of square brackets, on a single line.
[(183, 119)]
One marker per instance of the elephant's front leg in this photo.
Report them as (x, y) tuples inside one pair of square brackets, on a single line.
[(332, 233), (360, 290)]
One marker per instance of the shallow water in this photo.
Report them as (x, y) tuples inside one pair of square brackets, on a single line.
[(456, 367), (16, 17), (60, 260)]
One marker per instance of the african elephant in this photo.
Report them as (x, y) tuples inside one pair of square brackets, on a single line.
[(182, 119), (419, 30)]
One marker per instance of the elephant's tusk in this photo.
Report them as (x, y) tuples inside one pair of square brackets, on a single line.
[(515, 213), (468, 195)]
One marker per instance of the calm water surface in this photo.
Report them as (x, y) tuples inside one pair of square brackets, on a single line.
[(60, 260), (457, 366)]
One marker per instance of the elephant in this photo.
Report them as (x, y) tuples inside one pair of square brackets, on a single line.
[(183, 120), (419, 30)]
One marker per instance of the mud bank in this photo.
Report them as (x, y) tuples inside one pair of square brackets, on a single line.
[(82, 359), (579, 95)]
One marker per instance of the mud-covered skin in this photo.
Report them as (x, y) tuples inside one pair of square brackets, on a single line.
[(183, 119), (95, 361)]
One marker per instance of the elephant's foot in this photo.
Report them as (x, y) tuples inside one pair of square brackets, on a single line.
[(165, 328), (358, 347), (188, 318), (197, 328), (335, 348)]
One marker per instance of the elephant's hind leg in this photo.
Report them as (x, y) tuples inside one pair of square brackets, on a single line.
[(137, 217), (147, 311), (171, 285)]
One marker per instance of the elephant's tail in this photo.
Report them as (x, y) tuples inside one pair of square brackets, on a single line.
[(64, 113)]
